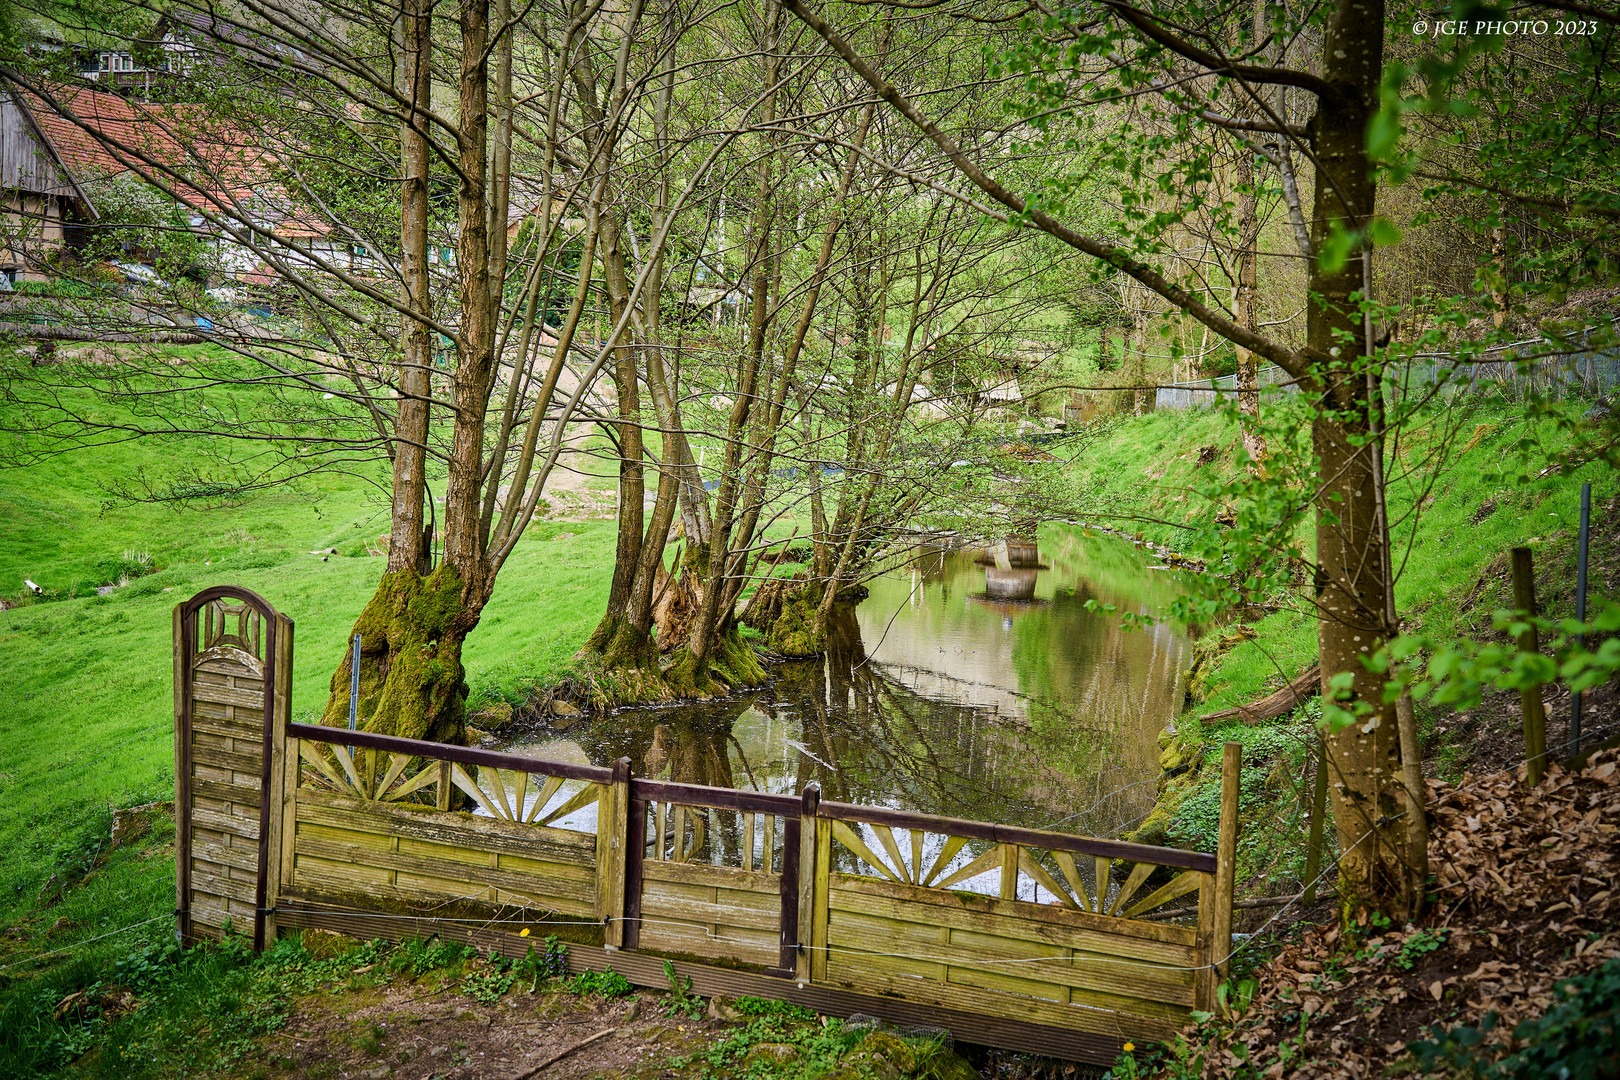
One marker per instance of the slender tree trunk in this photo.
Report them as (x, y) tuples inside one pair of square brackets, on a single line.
[(1364, 758), (1248, 364), (408, 540)]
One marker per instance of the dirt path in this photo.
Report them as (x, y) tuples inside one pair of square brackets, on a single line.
[(397, 1032)]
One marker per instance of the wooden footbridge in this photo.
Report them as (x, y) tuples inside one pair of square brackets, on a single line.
[(837, 907)]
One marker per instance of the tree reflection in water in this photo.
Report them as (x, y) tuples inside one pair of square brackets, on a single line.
[(936, 697)]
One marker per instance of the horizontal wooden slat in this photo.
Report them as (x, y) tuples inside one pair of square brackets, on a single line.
[(229, 695), (661, 900), (455, 829), (245, 734), (957, 948), (868, 894), (445, 752), (242, 858), (219, 667), (728, 877), (224, 758), (323, 878), (210, 819), (860, 976), (726, 942), (346, 876), (244, 793), (456, 878), (206, 880), (1128, 986)]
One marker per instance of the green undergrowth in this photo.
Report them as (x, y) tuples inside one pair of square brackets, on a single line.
[(160, 1011), (778, 1041)]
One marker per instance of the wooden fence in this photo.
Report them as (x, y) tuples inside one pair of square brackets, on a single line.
[(1012, 937)]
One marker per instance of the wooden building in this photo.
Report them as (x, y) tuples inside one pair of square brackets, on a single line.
[(45, 206)]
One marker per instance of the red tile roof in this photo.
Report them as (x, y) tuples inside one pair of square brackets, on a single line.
[(102, 134)]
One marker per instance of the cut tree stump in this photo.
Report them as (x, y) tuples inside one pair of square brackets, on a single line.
[(1306, 686)]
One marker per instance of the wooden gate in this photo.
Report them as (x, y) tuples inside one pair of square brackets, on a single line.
[(232, 680)]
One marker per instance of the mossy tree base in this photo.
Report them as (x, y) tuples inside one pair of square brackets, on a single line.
[(412, 684), (628, 671), (785, 612)]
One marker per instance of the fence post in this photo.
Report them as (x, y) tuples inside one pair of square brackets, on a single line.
[(634, 854), (1313, 845), (280, 783), (1535, 716), (613, 854), (183, 631), (814, 857), (1226, 857)]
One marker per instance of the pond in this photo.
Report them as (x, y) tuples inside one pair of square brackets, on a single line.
[(971, 683)]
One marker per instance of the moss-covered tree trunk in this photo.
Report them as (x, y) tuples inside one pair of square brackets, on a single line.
[(411, 680), (412, 683)]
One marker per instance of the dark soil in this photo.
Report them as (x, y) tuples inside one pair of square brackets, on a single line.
[(396, 1032)]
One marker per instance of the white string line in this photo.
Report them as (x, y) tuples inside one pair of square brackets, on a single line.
[(81, 944)]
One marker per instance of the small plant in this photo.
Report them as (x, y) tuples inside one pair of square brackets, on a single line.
[(771, 1009), (681, 1002), (1418, 944), (488, 984), (609, 984), (539, 967)]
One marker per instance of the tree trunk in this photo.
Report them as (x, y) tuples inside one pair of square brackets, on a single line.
[(409, 544), (1364, 758), (411, 679), (1248, 364)]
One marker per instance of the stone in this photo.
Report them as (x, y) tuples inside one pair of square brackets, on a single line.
[(632, 1012), (559, 707), (492, 717), (770, 1053), (885, 1055), (723, 1008), (374, 1074)]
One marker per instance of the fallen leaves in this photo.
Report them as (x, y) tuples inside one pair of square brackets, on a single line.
[(1525, 876)]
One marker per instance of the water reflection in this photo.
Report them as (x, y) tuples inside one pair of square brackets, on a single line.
[(939, 696)]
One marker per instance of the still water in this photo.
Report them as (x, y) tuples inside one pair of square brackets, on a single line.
[(970, 683)]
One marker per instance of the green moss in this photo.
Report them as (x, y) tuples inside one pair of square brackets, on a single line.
[(412, 683)]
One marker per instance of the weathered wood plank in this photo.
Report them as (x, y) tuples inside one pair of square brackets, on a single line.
[(230, 695), (1148, 990), (453, 829), (726, 877), (227, 855), (1100, 943), (237, 794), (728, 943), (1121, 1025), (458, 877), (659, 904), (208, 753), (205, 880), (872, 891), (203, 817)]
